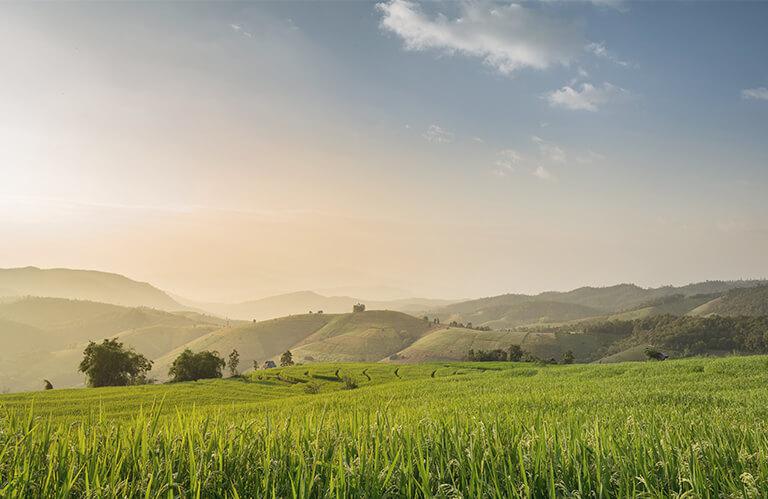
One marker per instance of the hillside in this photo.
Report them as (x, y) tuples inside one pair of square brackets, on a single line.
[(736, 302), (362, 337), (552, 307), (302, 302), (84, 285), (254, 341), (45, 337)]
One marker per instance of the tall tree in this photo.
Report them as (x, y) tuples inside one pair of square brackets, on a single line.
[(234, 361), (286, 359), (110, 364)]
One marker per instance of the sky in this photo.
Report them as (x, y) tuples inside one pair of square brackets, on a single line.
[(230, 151)]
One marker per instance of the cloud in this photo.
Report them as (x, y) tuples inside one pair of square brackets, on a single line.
[(549, 150), (506, 159), (590, 157), (238, 28), (586, 98), (600, 50), (506, 37), (759, 93), (438, 135), (542, 173)]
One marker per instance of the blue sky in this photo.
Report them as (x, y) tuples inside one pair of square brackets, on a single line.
[(444, 149)]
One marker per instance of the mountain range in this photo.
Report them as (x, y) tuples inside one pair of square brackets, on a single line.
[(48, 316)]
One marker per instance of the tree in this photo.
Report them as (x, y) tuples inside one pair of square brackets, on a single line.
[(48, 385), (234, 361), (286, 359), (358, 307), (255, 365), (568, 357), (515, 353), (190, 366), (110, 364)]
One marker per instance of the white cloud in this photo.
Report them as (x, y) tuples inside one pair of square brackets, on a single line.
[(238, 28), (542, 173), (586, 98), (549, 150), (590, 157), (506, 37), (506, 159), (438, 135), (600, 50), (759, 93)]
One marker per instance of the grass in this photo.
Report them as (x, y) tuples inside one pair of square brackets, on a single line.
[(694, 428)]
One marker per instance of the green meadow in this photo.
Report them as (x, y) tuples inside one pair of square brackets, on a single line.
[(684, 428)]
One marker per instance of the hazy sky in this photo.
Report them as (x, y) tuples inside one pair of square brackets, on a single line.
[(233, 150)]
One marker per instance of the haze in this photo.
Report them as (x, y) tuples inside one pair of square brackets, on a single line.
[(229, 151)]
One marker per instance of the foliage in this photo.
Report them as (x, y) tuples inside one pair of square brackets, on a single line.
[(286, 359), (312, 387), (110, 364), (513, 354), (233, 362), (568, 357), (349, 382), (190, 366)]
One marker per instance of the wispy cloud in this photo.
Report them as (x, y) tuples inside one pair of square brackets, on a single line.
[(758, 93), (505, 37), (600, 50), (586, 97), (438, 135), (506, 160), (239, 29), (589, 157), (549, 150), (542, 173)]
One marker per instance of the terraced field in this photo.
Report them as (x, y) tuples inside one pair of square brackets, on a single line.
[(692, 427)]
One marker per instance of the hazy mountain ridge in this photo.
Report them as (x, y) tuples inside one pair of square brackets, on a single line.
[(509, 310), (302, 302), (92, 285)]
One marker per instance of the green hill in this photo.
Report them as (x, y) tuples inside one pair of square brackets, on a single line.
[(365, 336), (552, 307), (257, 341), (84, 285), (45, 337), (743, 301)]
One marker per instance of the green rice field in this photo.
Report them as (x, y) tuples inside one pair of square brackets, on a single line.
[(684, 428)]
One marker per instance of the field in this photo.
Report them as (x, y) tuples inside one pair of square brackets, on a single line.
[(694, 427)]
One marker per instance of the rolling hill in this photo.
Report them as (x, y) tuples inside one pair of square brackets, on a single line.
[(302, 302), (513, 310), (367, 336), (89, 285), (743, 301), (45, 337)]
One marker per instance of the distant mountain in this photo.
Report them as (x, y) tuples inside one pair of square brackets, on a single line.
[(737, 302), (512, 310), (45, 337), (90, 285), (302, 302)]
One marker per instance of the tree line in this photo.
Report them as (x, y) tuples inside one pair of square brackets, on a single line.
[(110, 363)]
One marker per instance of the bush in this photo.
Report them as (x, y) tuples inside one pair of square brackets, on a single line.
[(312, 388), (349, 383), (191, 366)]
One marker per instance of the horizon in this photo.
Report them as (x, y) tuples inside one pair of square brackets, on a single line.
[(233, 151)]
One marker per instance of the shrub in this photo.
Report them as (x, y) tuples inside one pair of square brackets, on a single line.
[(312, 387), (349, 383)]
